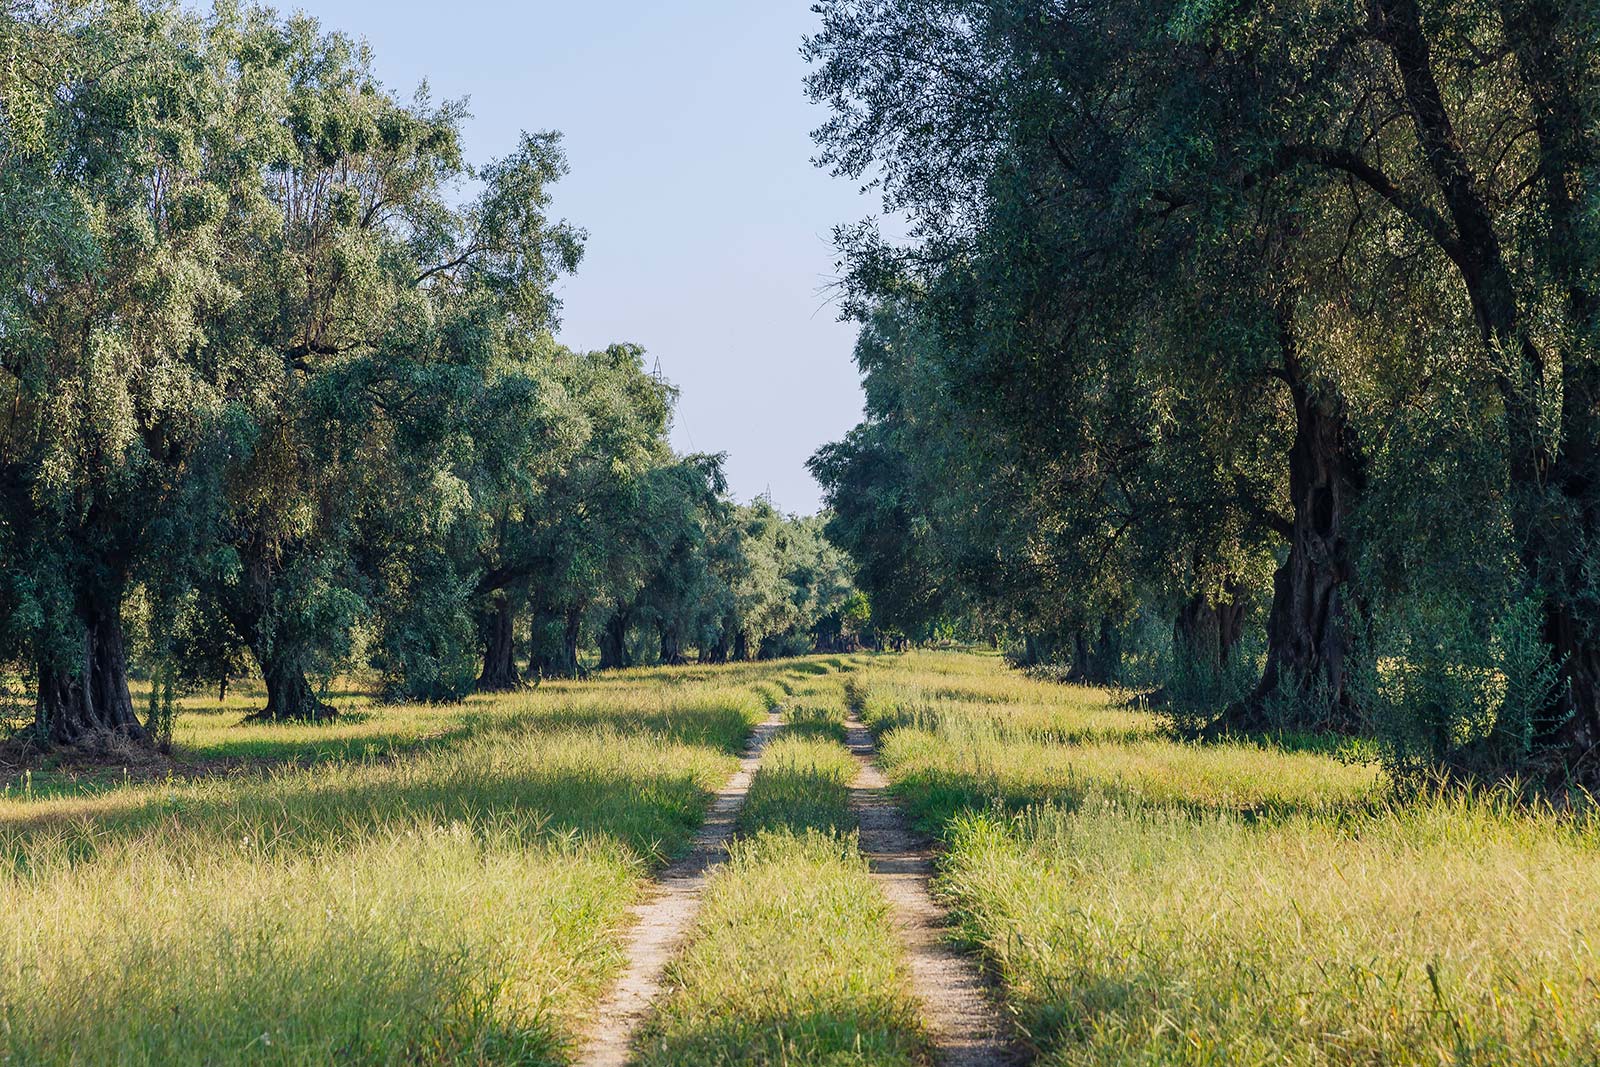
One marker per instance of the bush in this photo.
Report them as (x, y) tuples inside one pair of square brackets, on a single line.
[(1447, 693)]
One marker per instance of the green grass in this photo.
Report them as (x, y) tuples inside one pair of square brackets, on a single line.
[(1150, 902), (793, 960), (803, 784), (792, 963), (816, 718), (436, 885), (430, 943), (450, 885), (1434, 934)]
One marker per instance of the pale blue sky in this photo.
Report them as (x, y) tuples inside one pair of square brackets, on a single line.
[(709, 230)]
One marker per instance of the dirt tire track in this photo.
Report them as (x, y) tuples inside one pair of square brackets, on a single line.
[(966, 1025), (666, 914)]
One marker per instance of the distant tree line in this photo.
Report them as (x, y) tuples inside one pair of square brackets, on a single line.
[(278, 390), (1255, 341)]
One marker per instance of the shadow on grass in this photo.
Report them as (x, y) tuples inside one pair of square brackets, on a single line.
[(724, 729), (935, 798), (642, 778), (650, 810), (795, 800), (1338, 746), (811, 667), (803, 784), (814, 722), (882, 721), (248, 699)]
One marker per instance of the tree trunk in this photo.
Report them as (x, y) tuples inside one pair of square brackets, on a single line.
[(719, 652), (741, 647), (614, 641), (1308, 632), (499, 654), (85, 697), (1098, 662), (1208, 632), (1078, 670), (1551, 48), (569, 642), (1105, 660), (1034, 650), (289, 696), (671, 647), (1556, 515)]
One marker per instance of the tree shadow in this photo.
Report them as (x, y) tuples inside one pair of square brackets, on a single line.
[(935, 798), (794, 799), (814, 722), (652, 812), (725, 729)]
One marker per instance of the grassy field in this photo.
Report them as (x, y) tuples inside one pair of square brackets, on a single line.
[(406, 885), (450, 885), (1151, 902)]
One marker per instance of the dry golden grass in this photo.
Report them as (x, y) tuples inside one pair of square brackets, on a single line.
[(1151, 902), (439, 885)]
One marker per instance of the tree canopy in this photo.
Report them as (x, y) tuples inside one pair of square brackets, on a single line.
[(1196, 294), (279, 390)]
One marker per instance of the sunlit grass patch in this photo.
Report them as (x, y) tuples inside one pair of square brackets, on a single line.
[(793, 963), (916, 692), (717, 715), (403, 885), (1059, 723), (938, 773), (424, 943), (793, 959), (1444, 933), (644, 791), (714, 711), (1152, 902), (1054, 742), (221, 735)]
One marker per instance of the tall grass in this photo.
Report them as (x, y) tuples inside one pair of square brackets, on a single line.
[(793, 963), (1441, 933), (423, 943), (412, 885), (1147, 901)]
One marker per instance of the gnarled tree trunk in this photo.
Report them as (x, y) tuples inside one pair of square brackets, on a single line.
[(614, 641), (289, 695), (570, 637), (671, 646), (1553, 63), (719, 652), (1308, 631), (499, 673), (84, 696)]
